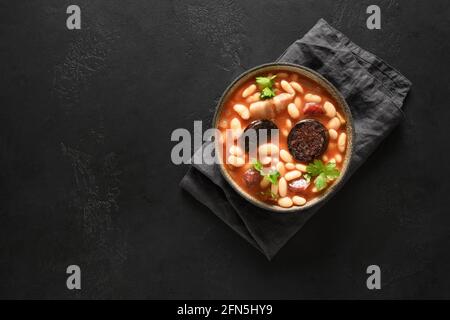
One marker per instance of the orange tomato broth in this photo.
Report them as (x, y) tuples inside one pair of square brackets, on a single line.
[(309, 86)]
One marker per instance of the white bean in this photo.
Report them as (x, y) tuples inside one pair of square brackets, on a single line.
[(333, 134), (291, 175), (297, 87), (293, 111), (274, 188), (236, 151), (338, 158), (236, 133), (236, 128), (282, 187), (289, 166), (288, 123), (281, 101), (249, 90), (287, 87), (236, 161), (285, 132), (286, 156), (254, 97), (298, 102), (267, 149), (242, 111), (300, 167), (341, 118), (261, 109), (298, 201), (281, 169), (324, 158), (342, 142), (274, 162), (334, 123), (235, 124), (266, 160), (312, 98), (220, 137), (329, 108), (285, 202)]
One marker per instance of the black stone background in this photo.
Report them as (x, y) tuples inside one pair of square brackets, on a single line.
[(85, 171)]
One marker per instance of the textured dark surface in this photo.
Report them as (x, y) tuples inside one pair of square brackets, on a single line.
[(86, 178)]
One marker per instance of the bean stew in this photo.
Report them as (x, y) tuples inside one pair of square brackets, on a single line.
[(283, 138)]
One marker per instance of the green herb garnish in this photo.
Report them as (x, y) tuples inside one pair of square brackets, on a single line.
[(266, 86), (321, 181), (307, 177), (272, 176), (270, 194), (265, 82), (267, 93), (258, 167), (323, 173)]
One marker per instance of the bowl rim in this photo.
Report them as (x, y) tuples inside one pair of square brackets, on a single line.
[(330, 89)]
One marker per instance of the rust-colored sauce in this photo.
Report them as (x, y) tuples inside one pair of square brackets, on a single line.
[(280, 119)]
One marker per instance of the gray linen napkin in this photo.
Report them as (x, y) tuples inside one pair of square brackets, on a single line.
[(375, 93)]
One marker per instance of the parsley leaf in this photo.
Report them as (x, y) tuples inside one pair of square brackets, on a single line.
[(323, 173), (307, 177), (315, 168), (258, 167), (321, 181), (270, 194), (331, 171), (267, 93), (265, 82), (272, 176), (266, 86)]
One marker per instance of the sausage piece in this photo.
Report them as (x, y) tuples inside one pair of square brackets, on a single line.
[(298, 185), (313, 108), (258, 126), (308, 140), (251, 177)]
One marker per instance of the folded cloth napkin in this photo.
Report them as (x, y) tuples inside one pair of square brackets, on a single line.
[(375, 93)]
